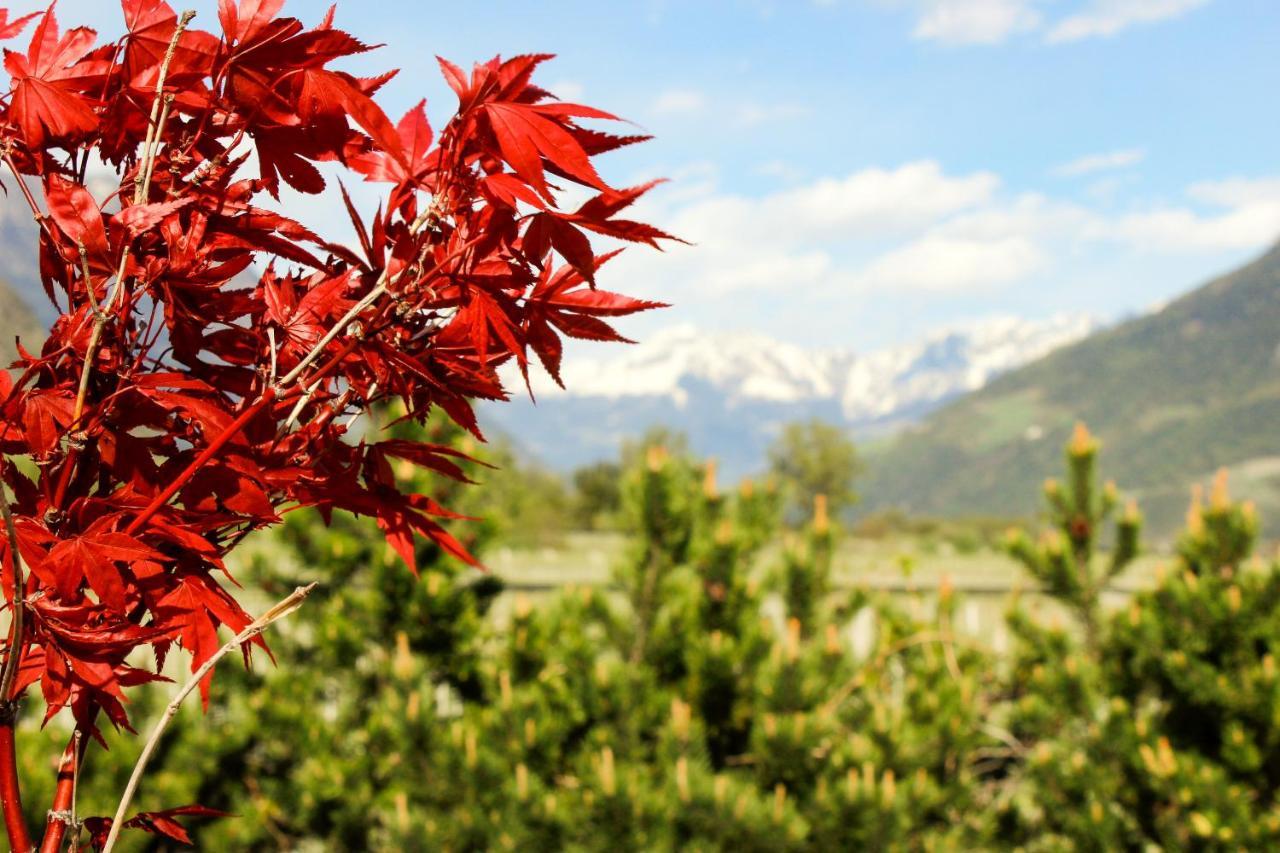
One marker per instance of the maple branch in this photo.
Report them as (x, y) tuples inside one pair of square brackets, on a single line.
[(142, 181), (253, 629), (59, 815), (15, 823), (141, 186), (36, 213), (12, 660), (10, 791)]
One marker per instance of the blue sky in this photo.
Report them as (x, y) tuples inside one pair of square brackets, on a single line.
[(858, 172)]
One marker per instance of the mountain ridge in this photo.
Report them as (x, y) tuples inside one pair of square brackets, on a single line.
[(1172, 395), (732, 392)]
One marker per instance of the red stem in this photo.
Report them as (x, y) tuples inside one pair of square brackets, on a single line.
[(10, 795), (55, 829), (268, 395)]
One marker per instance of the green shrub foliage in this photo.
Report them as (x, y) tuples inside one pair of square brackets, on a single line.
[(722, 694)]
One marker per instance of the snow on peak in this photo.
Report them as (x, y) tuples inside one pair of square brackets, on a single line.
[(680, 362)]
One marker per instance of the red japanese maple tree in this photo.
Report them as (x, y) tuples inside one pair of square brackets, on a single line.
[(210, 351)]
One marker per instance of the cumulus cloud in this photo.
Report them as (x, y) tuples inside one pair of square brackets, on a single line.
[(1105, 18), (1245, 214), (940, 264), (916, 228), (989, 22), (679, 101), (1105, 162), (974, 21)]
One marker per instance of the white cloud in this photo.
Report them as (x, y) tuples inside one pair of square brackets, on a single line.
[(884, 234), (567, 90), (989, 22), (1105, 162), (1247, 216), (974, 21), (679, 101), (876, 200), (1236, 192), (752, 114), (1105, 18), (936, 263)]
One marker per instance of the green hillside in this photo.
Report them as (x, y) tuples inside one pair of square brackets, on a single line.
[(1173, 396), (15, 319)]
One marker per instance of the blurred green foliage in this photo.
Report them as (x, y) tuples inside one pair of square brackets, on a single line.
[(811, 458), (722, 695)]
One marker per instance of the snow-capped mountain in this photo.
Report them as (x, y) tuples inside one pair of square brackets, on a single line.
[(732, 392)]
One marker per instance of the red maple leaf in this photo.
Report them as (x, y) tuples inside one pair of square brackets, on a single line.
[(48, 83)]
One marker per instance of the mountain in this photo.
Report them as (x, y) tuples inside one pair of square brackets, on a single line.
[(1173, 395), (732, 392), (16, 320)]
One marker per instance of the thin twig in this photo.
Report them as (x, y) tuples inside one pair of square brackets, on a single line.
[(279, 611), (75, 789), (141, 186), (13, 658), (141, 181)]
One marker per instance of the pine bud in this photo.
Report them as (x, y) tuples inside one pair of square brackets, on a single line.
[(656, 458), (402, 665), (1148, 757), (522, 781), (530, 731), (504, 689), (721, 787), (608, 781), (1167, 759), (1132, 515), (1082, 443), (402, 810), (1233, 598), (1220, 494), (1195, 513), (681, 715), (469, 744), (709, 488), (779, 802), (682, 778), (833, 640), (821, 523), (793, 639), (888, 787)]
